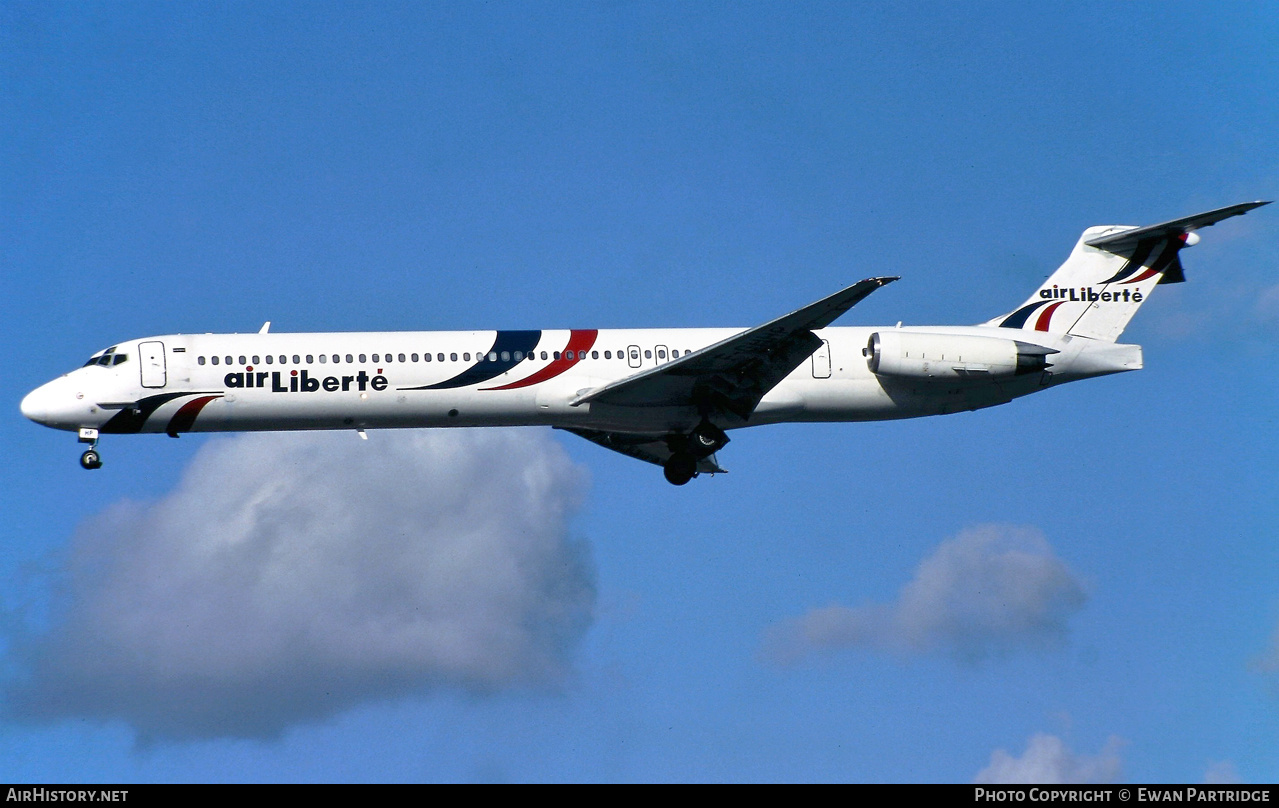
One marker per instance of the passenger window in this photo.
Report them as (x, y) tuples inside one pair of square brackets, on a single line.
[(255, 361), (414, 356), (362, 359), (214, 359), (506, 356), (466, 357), (544, 355), (595, 354), (401, 357), (199, 360), (608, 354), (440, 357), (242, 362), (349, 359), (493, 356), (230, 361), (661, 354), (519, 356), (648, 354), (427, 357), (452, 357), (375, 356), (557, 356), (270, 360)]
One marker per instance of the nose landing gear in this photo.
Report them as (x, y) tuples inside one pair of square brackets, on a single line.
[(90, 459)]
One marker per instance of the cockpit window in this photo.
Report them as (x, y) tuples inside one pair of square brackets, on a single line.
[(107, 358)]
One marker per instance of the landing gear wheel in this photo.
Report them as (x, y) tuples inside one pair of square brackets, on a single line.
[(706, 439), (680, 468), (91, 460)]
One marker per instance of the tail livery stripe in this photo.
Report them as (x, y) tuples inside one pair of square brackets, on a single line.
[(1160, 264), (1018, 318), (1045, 316), (1134, 263)]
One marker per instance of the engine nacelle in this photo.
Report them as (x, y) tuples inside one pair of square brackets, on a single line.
[(914, 355)]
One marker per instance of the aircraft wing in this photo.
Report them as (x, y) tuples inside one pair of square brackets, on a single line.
[(732, 375), (641, 447)]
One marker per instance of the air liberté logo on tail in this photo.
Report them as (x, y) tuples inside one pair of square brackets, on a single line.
[(1054, 298), (1086, 294)]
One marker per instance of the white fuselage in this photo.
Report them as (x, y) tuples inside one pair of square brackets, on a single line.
[(235, 382)]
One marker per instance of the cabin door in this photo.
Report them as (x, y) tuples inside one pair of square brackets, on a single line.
[(151, 358)]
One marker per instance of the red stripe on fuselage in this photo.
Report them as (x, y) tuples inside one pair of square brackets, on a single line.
[(1044, 316), (184, 418), (579, 340)]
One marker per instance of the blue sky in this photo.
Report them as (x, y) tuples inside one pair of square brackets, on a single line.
[(207, 167)]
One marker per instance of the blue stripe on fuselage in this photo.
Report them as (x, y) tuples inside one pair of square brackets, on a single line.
[(509, 342)]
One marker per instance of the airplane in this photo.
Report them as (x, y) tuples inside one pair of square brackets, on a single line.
[(665, 396)]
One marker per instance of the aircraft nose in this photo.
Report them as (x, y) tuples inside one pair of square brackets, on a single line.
[(35, 405), (54, 404)]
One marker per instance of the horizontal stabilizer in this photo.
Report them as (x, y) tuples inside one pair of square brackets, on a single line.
[(1127, 240)]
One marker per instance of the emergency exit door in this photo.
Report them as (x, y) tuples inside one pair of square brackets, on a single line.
[(821, 361)]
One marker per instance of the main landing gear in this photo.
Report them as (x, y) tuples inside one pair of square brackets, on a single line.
[(680, 468), (90, 459), (688, 450)]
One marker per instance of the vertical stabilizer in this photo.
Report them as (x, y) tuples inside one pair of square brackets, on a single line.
[(1110, 273)]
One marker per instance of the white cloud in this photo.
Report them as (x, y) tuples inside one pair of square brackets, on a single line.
[(290, 576), (1048, 761), (992, 588), (1222, 772), (1267, 305), (1268, 663)]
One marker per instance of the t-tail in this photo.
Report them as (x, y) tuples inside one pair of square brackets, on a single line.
[(1110, 273)]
